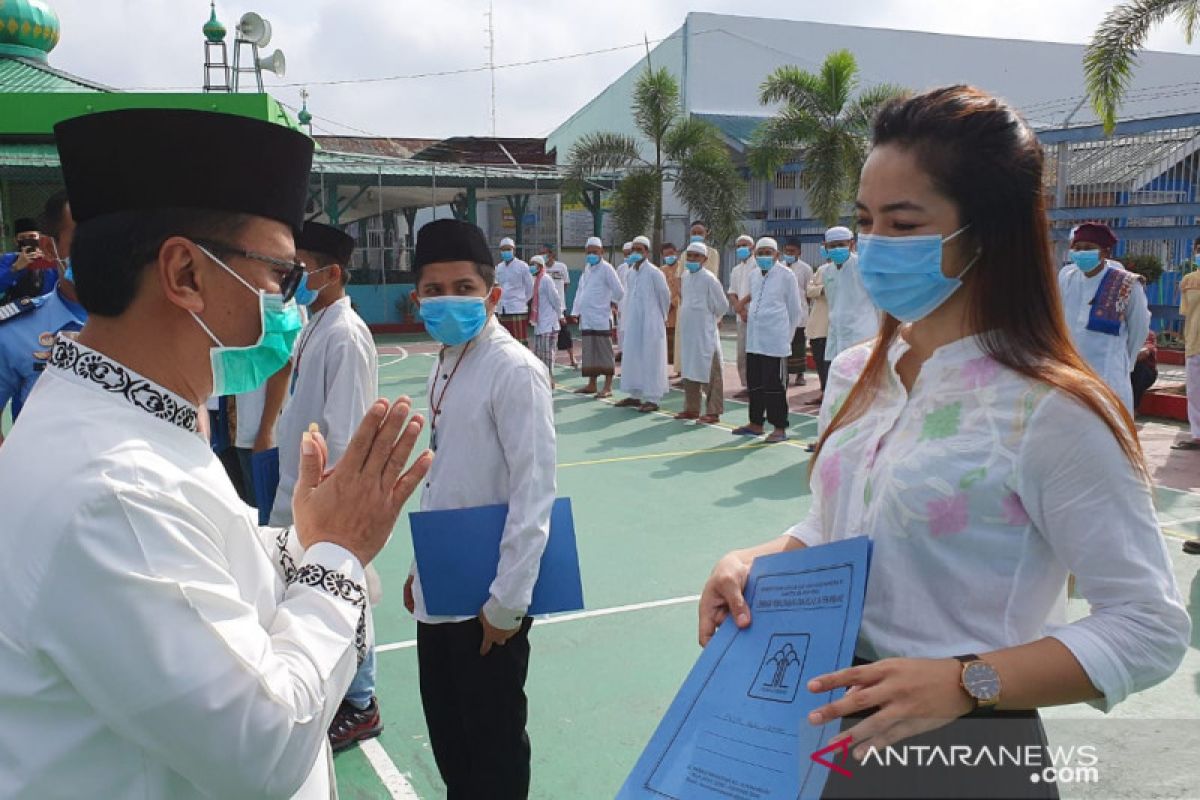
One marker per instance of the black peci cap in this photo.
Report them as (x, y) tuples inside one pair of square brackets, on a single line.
[(451, 240), (151, 159), (326, 240)]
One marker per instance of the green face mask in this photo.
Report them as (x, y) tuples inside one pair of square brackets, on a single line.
[(244, 369)]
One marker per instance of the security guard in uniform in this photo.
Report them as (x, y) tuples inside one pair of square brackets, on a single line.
[(28, 326)]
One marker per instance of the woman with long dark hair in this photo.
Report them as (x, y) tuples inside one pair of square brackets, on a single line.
[(985, 460)]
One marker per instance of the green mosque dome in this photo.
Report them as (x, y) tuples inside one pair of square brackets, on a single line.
[(214, 31), (28, 29)]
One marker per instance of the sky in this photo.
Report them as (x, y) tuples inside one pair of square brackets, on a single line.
[(157, 44)]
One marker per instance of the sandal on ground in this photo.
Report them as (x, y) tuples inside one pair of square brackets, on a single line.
[(709, 419), (628, 402), (584, 390), (745, 430), (686, 415), (776, 437), (603, 394), (646, 408)]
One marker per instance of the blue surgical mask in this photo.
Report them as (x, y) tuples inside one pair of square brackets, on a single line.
[(1086, 260), (305, 295), (764, 262), (243, 369), (592, 259), (533, 269), (743, 253), (635, 257), (506, 256), (838, 255), (670, 260), (453, 320), (697, 238), (903, 274), (694, 266), (789, 260)]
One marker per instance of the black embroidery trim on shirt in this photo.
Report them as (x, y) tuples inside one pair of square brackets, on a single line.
[(286, 562), (337, 584), (112, 377)]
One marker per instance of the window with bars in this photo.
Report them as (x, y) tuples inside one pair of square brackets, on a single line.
[(785, 180)]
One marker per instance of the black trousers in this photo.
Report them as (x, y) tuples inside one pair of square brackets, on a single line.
[(818, 348), (475, 710), (1143, 377), (768, 398)]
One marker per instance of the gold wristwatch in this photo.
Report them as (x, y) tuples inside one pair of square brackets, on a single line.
[(980, 681)]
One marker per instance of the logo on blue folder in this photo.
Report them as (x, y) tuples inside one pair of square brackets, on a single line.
[(778, 677)]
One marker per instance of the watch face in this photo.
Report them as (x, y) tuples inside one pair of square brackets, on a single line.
[(982, 681)]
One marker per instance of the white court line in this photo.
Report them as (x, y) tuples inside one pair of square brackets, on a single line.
[(597, 612), (393, 779), (403, 356)]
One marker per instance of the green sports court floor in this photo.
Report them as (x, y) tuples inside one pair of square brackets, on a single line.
[(656, 503)]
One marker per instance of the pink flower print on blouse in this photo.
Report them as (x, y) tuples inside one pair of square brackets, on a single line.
[(1014, 511), (979, 372), (854, 361), (948, 515), (831, 474)]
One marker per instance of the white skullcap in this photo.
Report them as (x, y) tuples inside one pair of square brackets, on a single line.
[(766, 241), (627, 247), (539, 260), (698, 247), (506, 242), (839, 233), (594, 241), (745, 237), (643, 241)]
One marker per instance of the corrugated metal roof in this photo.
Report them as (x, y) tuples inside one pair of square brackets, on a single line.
[(1118, 162), (738, 128), (24, 76)]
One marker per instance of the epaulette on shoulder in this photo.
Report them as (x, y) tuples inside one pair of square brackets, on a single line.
[(18, 308)]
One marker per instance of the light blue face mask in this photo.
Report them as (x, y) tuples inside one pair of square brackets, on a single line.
[(305, 295), (694, 266), (764, 262), (243, 369), (635, 257), (789, 260), (506, 256), (670, 260), (743, 253), (697, 238), (903, 274), (453, 320), (592, 259), (1086, 260), (838, 255), (533, 269)]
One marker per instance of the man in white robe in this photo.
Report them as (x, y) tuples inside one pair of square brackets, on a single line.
[(739, 291), (853, 318), (154, 641), (647, 300), (332, 380), (599, 290), (512, 274), (1105, 308), (702, 306)]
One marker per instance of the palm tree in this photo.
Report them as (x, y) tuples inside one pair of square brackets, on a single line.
[(1110, 58), (690, 153), (823, 123)]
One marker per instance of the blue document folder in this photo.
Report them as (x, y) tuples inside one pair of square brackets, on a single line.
[(458, 550), (739, 727)]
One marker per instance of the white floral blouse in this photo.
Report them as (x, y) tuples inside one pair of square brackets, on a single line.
[(981, 491)]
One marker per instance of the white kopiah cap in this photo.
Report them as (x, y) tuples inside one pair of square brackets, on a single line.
[(539, 260), (839, 233), (506, 242), (767, 241), (594, 241), (745, 237), (698, 247), (627, 247), (643, 241)]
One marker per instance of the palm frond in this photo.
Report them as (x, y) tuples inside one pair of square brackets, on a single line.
[(710, 187), (655, 103), (779, 140), (634, 202), (691, 135), (839, 79), (1112, 54), (1189, 14), (824, 177), (794, 88), (860, 115)]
